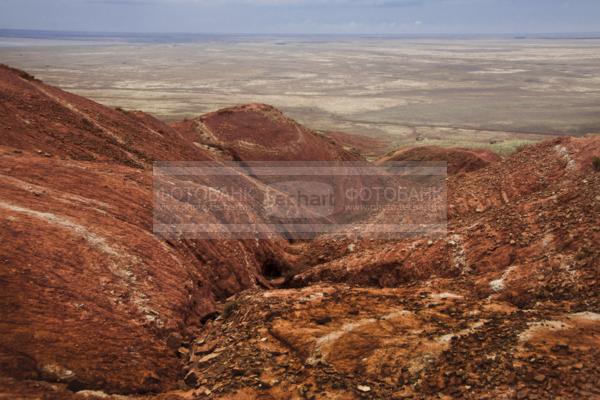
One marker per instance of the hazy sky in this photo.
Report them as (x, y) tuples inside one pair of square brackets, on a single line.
[(305, 16)]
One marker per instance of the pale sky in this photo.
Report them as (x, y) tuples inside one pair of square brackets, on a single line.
[(305, 16)]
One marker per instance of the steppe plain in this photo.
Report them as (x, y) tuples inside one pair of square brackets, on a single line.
[(497, 93)]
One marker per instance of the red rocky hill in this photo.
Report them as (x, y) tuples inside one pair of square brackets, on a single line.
[(458, 160), (259, 132), (506, 305), (40, 118), (90, 297)]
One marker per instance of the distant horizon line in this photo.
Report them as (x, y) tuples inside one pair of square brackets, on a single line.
[(517, 35)]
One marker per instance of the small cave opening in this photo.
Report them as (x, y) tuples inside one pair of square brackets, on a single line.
[(273, 269)]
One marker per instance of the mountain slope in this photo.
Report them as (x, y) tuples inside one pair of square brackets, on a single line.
[(505, 306), (81, 267), (258, 132), (459, 160), (40, 118), (508, 213)]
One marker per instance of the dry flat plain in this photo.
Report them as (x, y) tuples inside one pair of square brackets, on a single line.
[(473, 92)]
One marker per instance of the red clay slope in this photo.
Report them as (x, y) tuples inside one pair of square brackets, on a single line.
[(459, 160), (87, 287), (365, 145), (530, 212), (89, 296), (505, 306), (258, 132), (39, 117)]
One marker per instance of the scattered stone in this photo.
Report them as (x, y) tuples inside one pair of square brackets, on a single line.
[(151, 378), (191, 379), (94, 394), (203, 390), (57, 373), (364, 388), (174, 340), (206, 359), (204, 348), (323, 320), (183, 351)]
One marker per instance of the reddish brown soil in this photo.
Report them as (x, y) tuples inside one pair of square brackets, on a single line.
[(86, 287), (522, 209), (365, 145), (458, 160), (505, 306), (258, 132), (43, 119)]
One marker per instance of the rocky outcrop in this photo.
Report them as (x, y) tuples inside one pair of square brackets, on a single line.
[(422, 341), (457, 159), (505, 306), (523, 212), (86, 285)]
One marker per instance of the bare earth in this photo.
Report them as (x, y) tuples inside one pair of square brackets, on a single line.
[(95, 306), (474, 93)]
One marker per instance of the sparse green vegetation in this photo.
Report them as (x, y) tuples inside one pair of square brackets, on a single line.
[(596, 164), (503, 148), (506, 147)]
